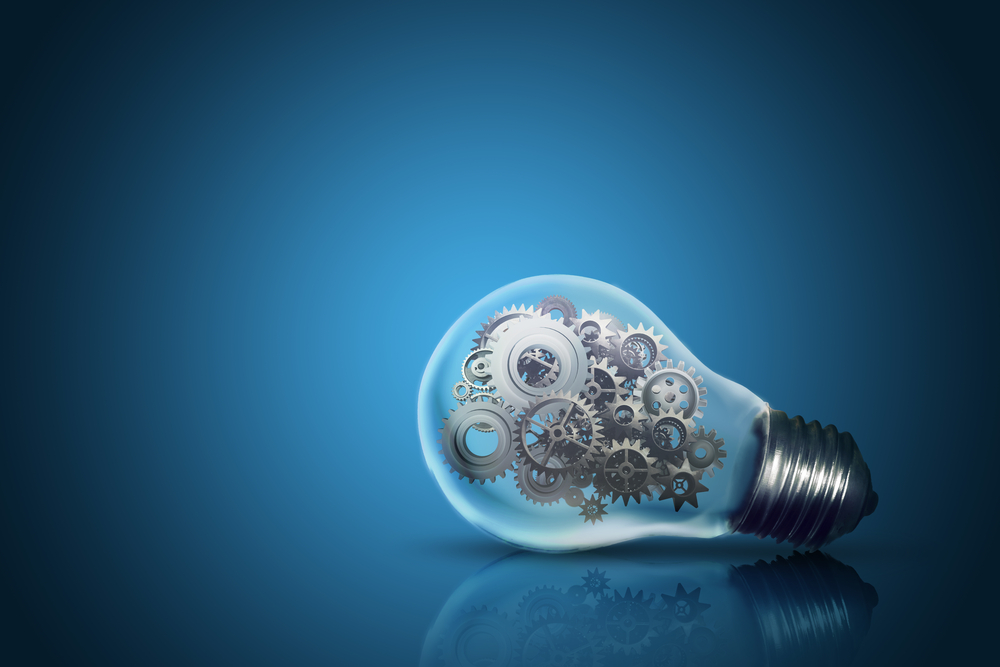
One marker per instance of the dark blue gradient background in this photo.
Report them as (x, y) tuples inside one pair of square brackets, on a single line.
[(233, 235)]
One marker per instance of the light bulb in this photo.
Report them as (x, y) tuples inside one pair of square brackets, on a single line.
[(559, 413), (536, 610)]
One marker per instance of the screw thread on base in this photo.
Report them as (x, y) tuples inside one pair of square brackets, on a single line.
[(812, 484)]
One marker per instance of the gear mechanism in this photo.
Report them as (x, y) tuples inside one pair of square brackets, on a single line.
[(671, 387)]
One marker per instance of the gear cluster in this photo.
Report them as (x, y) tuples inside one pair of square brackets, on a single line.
[(588, 624), (585, 410)]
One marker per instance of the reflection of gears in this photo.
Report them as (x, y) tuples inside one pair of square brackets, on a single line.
[(671, 388), (621, 418), (480, 637), (667, 436), (486, 413), (560, 303), (598, 333), (637, 350), (596, 582), (683, 607), (525, 336), (669, 650), (593, 510), (603, 385), (682, 484), (704, 451), (625, 471), (476, 368), (544, 486), (627, 622), (499, 323), (560, 426), (538, 603), (539, 368), (559, 639)]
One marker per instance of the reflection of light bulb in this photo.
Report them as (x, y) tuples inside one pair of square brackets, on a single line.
[(541, 610), (579, 420)]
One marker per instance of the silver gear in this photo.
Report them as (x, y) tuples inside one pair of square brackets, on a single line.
[(494, 325), (543, 486), (560, 303), (622, 418), (557, 425), (538, 368), (456, 452), (682, 484), (638, 349), (713, 451), (603, 385), (668, 387), (528, 334), (626, 470), (668, 434), (597, 331), (462, 391), (476, 368)]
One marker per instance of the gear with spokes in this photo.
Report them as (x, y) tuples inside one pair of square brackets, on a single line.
[(603, 385), (682, 484), (669, 387), (557, 425), (476, 369), (638, 350), (625, 471), (704, 451)]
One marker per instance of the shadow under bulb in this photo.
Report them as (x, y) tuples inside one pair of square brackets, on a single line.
[(559, 413)]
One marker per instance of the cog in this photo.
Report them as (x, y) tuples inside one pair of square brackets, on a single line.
[(539, 602), (593, 510), (476, 369), (627, 623), (574, 496), (482, 636), (598, 333), (712, 447), (462, 391), (638, 349), (546, 486), (670, 387), (538, 367), (492, 413), (683, 608), (682, 484), (557, 425), (498, 323), (559, 639), (527, 335), (596, 582), (667, 436), (560, 303), (603, 385), (625, 471), (622, 418)]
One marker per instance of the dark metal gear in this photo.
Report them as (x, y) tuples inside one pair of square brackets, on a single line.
[(546, 486), (683, 608), (596, 582), (682, 484), (557, 425), (670, 388), (593, 510), (560, 303), (667, 436), (574, 496), (638, 349), (704, 451), (625, 471), (627, 622), (492, 413), (538, 368), (622, 419), (603, 386)]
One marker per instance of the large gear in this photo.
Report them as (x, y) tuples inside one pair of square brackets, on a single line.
[(682, 484), (638, 349), (457, 454), (670, 387), (560, 303), (544, 486), (463, 644), (622, 419), (707, 442), (627, 622), (667, 436), (598, 333), (557, 425), (603, 385), (525, 336), (498, 323), (625, 471)]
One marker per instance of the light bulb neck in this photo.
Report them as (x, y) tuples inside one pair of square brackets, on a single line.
[(812, 484)]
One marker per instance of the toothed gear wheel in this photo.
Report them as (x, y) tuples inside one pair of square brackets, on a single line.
[(668, 387), (537, 604), (667, 436), (538, 367), (597, 331), (625, 471), (574, 496), (707, 442), (498, 417), (560, 303), (683, 608), (463, 391), (527, 335), (545, 486), (498, 323), (476, 368), (559, 639), (638, 349), (592, 510), (603, 385), (557, 426), (628, 622), (622, 418), (596, 582), (477, 630), (682, 484)]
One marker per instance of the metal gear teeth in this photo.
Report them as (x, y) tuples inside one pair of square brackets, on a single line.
[(650, 387), (642, 335), (597, 333), (713, 448), (463, 461), (616, 421), (560, 303), (688, 493), (616, 480), (570, 402), (497, 322)]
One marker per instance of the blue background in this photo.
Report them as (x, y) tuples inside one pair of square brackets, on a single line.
[(233, 235)]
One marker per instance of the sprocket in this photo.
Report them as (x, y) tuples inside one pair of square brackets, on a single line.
[(625, 471), (481, 411), (557, 425), (669, 387)]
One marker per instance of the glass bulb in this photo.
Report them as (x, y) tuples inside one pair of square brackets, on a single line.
[(559, 413), (530, 609)]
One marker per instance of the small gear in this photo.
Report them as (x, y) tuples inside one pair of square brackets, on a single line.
[(707, 442), (462, 391), (596, 582), (492, 413), (598, 333), (499, 322), (623, 419), (593, 510), (546, 486), (682, 484), (499, 634), (671, 387), (574, 496), (683, 608), (667, 436), (627, 622), (625, 471), (638, 349), (557, 425), (476, 369), (560, 303), (603, 385)]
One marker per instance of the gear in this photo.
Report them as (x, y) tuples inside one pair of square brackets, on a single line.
[(544, 486), (683, 608), (625, 471), (669, 649), (682, 484), (560, 303), (476, 369), (622, 418), (593, 510), (498, 323), (603, 385), (527, 335), (538, 367), (671, 387), (498, 417), (667, 436), (712, 458), (598, 333), (478, 631), (462, 391), (638, 349), (557, 425), (559, 639), (538, 603), (627, 622), (596, 582), (574, 496)]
